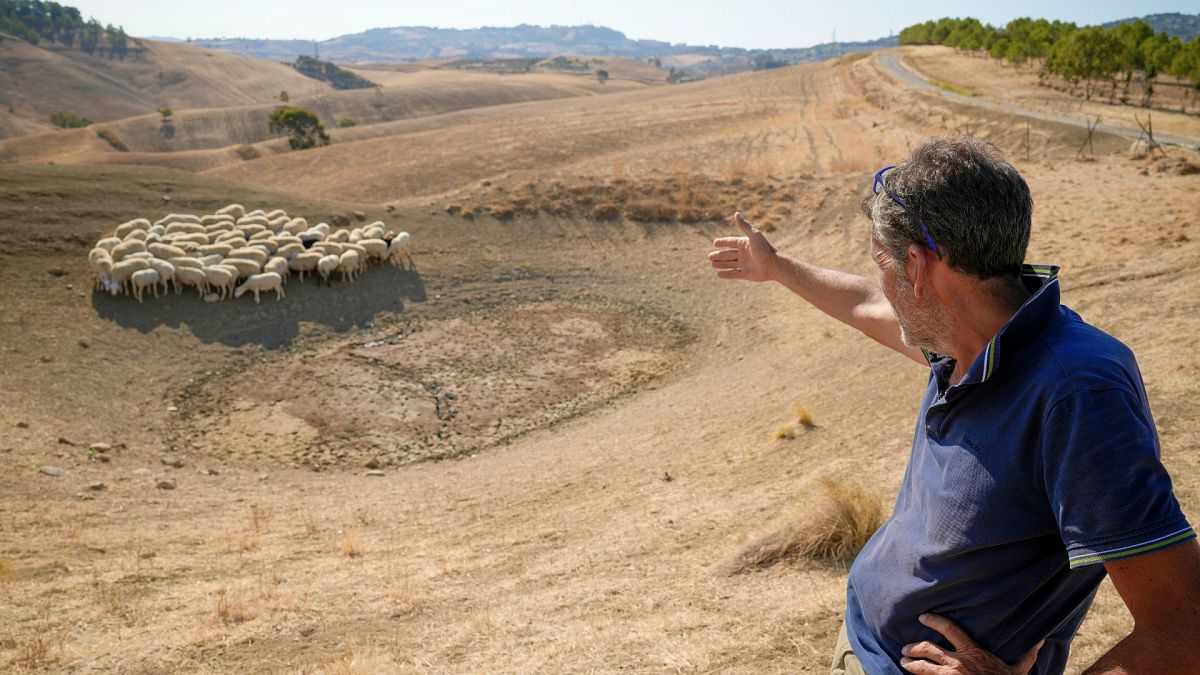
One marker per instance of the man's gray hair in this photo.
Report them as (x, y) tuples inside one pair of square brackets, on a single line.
[(976, 206)]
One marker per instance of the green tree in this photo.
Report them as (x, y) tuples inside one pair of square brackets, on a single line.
[(303, 127)]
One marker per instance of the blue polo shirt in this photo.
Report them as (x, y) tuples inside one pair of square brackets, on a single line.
[(1042, 463)]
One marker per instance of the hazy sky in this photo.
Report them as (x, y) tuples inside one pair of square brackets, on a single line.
[(733, 23)]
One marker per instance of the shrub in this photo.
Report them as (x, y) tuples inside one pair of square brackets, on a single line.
[(247, 152), (835, 530), (501, 211), (165, 112), (605, 211), (303, 127), (346, 123), (650, 210), (113, 140), (68, 120)]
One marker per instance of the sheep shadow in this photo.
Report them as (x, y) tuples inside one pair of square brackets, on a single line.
[(239, 321)]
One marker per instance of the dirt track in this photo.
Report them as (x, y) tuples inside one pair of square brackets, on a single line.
[(585, 544)]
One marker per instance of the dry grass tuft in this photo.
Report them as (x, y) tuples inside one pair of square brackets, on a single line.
[(247, 152), (350, 545), (834, 530), (234, 608), (804, 420)]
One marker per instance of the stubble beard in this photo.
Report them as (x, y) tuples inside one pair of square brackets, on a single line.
[(922, 325)]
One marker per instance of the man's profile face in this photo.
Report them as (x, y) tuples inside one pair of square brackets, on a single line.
[(921, 324)]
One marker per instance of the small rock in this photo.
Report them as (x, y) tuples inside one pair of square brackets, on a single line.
[(97, 486), (56, 272), (70, 287), (171, 461), (22, 425), (51, 470), (63, 440), (45, 359), (85, 343), (100, 447), (207, 472), (142, 471), (83, 496), (360, 215), (166, 484), (374, 472), (211, 298), (373, 463), (103, 459), (172, 408), (166, 198), (263, 476)]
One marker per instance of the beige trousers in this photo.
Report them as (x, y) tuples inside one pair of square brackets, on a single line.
[(844, 660)]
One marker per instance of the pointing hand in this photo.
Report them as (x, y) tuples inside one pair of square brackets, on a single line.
[(749, 257)]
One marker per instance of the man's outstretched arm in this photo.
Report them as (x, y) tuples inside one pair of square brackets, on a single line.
[(854, 300)]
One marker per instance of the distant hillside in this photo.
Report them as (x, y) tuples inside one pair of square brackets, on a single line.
[(39, 80), (382, 45), (1182, 26)]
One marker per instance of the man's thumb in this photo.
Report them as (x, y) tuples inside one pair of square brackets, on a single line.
[(742, 224), (1026, 663)]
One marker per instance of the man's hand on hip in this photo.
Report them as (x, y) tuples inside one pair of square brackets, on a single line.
[(926, 658), (750, 257)]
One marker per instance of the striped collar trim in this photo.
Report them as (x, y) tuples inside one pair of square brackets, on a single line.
[(1038, 278)]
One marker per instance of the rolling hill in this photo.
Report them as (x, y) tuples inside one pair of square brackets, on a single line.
[(36, 81)]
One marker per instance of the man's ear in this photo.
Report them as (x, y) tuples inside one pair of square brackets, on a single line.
[(918, 262)]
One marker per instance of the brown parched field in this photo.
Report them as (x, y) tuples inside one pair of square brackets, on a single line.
[(572, 426)]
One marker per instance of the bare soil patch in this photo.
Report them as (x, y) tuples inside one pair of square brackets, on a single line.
[(431, 389)]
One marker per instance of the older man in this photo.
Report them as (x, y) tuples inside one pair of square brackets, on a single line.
[(1035, 462)]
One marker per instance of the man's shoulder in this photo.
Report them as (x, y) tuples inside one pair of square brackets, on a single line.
[(1072, 356)]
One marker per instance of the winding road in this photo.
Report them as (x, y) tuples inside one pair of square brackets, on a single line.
[(909, 76)]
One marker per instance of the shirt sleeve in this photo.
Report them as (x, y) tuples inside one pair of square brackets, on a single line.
[(1109, 491)]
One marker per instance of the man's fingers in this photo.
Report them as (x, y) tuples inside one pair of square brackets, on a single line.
[(729, 242), (1026, 663), (949, 630), (725, 254), (742, 224), (731, 274), (725, 264), (924, 650), (921, 667)]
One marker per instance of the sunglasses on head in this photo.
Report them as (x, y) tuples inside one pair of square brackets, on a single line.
[(879, 185)]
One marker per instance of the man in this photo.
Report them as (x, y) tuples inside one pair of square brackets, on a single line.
[(1035, 462)]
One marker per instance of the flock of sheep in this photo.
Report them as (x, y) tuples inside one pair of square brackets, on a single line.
[(232, 251)]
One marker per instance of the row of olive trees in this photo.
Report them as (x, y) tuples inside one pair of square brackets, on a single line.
[(1091, 56)]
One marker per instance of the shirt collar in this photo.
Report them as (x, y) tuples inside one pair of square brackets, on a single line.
[(1025, 324)]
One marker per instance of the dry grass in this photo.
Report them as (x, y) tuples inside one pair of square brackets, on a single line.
[(833, 530), (350, 544), (803, 421)]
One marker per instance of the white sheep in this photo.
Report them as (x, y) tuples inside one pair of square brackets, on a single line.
[(166, 251), (186, 261), (289, 250), (100, 262), (166, 274), (108, 243), (221, 279), (272, 215), (348, 263), (142, 279), (246, 268), (267, 281), (340, 236), (278, 266), (216, 219), (125, 248), (184, 228), (304, 262), (178, 218), (255, 213), (124, 229), (235, 210), (196, 277), (326, 266), (222, 249), (137, 235), (401, 245), (250, 253), (377, 249)]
